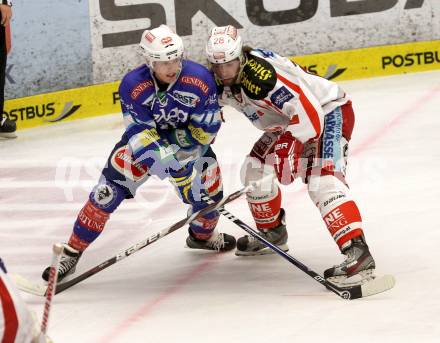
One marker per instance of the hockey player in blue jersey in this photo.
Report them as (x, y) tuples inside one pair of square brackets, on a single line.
[(172, 116)]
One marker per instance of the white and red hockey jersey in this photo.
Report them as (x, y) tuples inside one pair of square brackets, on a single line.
[(16, 322), (276, 95)]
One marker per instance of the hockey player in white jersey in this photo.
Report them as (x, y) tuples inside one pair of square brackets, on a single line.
[(17, 325), (172, 116), (307, 123)]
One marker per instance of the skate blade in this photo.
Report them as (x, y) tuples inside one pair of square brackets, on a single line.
[(355, 280), (8, 135), (264, 251)]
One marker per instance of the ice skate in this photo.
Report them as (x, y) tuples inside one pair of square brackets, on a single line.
[(358, 267), (249, 246), (7, 128), (68, 262), (218, 241)]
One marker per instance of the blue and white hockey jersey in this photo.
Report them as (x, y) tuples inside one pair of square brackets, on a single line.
[(151, 117)]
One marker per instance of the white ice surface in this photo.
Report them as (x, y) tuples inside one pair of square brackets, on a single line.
[(166, 293)]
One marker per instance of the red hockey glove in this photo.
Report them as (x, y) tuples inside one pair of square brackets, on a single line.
[(287, 154)]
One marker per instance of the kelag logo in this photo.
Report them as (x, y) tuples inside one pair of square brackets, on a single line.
[(43, 110)]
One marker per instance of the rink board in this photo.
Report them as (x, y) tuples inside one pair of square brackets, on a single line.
[(96, 100)]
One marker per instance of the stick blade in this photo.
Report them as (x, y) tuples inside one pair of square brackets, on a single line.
[(57, 249), (378, 285), (28, 286)]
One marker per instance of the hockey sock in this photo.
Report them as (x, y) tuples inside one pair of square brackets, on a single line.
[(266, 209)]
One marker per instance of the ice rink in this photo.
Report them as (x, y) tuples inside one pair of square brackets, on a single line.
[(168, 293)]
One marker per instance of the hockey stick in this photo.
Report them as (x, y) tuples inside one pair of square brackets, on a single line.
[(41, 290), (375, 286), (52, 283)]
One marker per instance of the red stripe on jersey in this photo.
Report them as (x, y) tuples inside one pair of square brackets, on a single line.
[(9, 314), (308, 107)]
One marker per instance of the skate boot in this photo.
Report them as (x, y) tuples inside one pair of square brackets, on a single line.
[(7, 127), (357, 268), (249, 246), (68, 262), (218, 241)]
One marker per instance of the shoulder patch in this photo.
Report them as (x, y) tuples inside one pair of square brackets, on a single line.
[(258, 78), (281, 96)]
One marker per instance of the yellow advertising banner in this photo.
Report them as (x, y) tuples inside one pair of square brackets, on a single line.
[(373, 62), (72, 104), (96, 100)]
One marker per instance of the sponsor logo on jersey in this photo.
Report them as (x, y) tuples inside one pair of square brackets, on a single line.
[(258, 78), (211, 100), (182, 138), (140, 88), (199, 134), (195, 81), (334, 198), (249, 112), (171, 117), (265, 53), (280, 97), (419, 58), (148, 137), (122, 162), (335, 220), (186, 98), (261, 70), (332, 134)]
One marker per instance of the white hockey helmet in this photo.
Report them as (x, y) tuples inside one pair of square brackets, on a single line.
[(224, 45), (161, 44)]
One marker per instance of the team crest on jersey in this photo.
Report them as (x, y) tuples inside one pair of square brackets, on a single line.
[(186, 98), (280, 97), (258, 78), (103, 195)]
